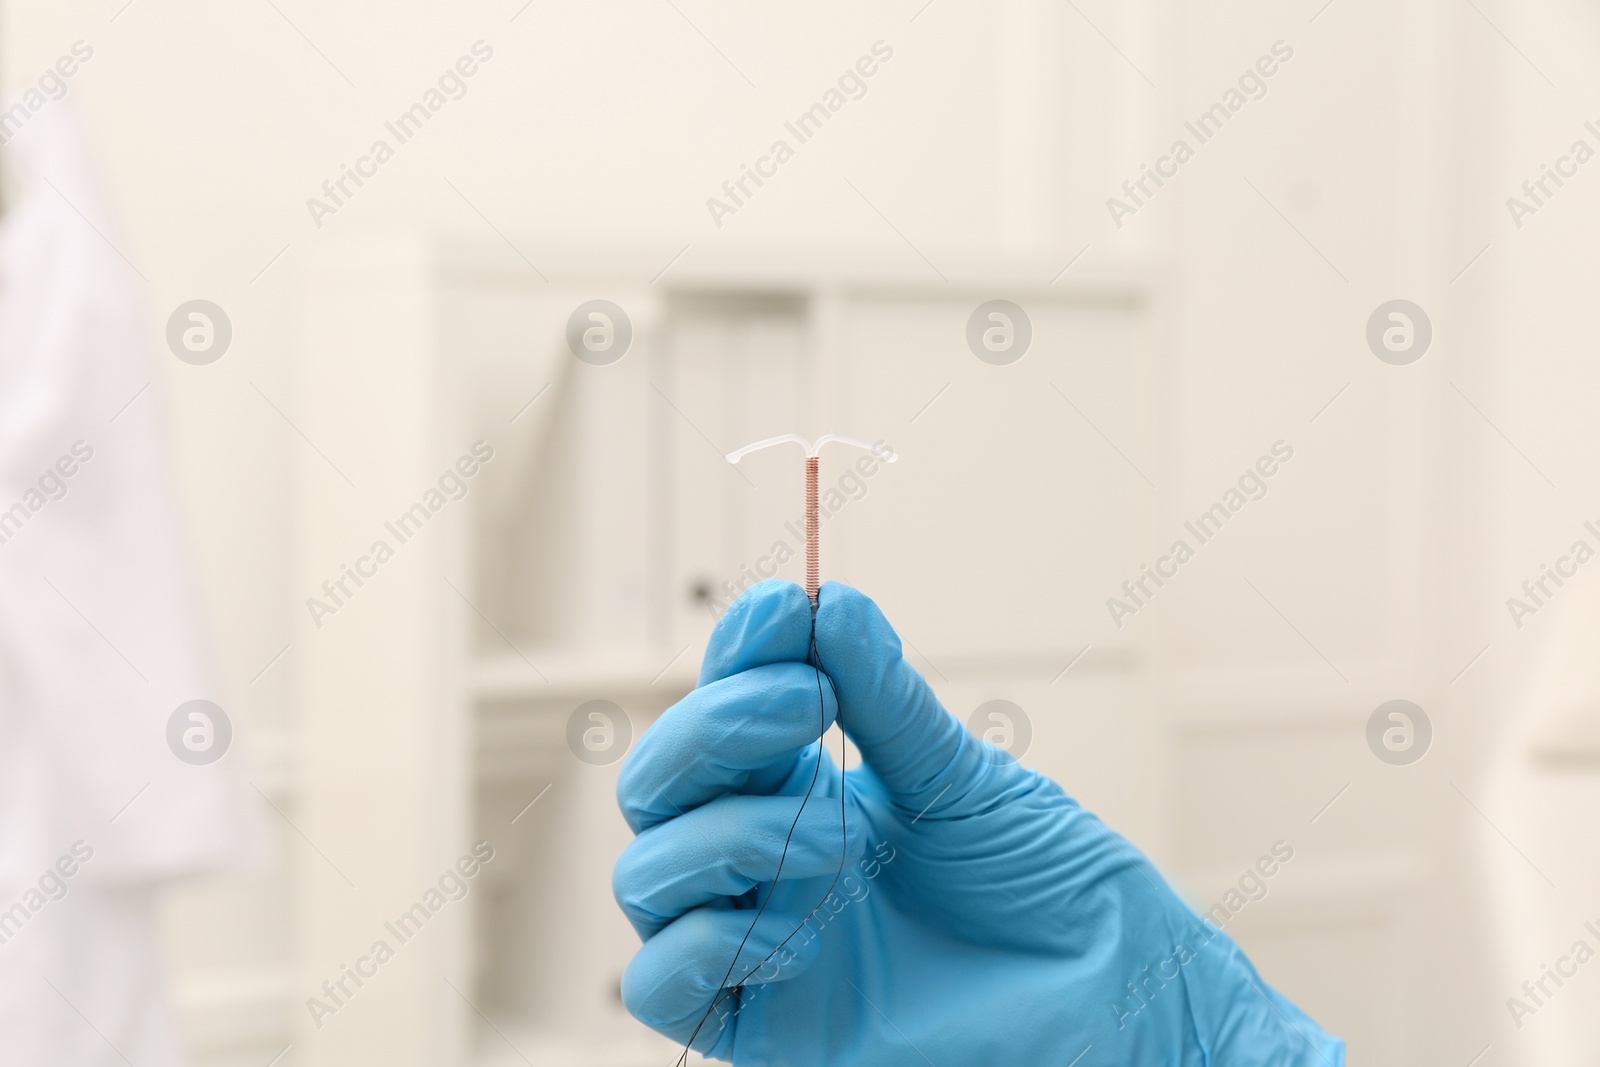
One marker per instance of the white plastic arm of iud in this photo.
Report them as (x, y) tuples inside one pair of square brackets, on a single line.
[(885, 453)]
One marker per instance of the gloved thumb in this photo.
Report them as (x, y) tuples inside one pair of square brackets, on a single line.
[(924, 757)]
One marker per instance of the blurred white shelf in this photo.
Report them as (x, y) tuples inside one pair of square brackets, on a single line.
[(1287, 696), (1084, 660), (1573, 743), (555, 675), (234, 1010), (270, 761), (728, 267), (521, 705), (512, 1046), (1338, 890)]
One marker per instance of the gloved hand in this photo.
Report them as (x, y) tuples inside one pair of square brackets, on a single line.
[(982, 916)]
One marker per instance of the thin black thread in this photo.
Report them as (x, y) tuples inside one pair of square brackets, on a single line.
[(822, 728)]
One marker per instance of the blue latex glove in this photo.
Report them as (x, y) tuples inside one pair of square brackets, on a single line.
[(982, 915)]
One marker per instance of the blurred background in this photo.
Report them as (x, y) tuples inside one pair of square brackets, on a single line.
[(367, 241)]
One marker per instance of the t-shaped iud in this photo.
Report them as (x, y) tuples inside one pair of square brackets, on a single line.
[(884, 452)]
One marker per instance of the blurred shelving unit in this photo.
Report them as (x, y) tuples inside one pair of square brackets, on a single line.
[(587, 558)]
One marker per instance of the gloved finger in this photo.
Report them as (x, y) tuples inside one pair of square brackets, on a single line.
[(674, 977), (727, 847), (924, 757), (769, 623), (739, 734)]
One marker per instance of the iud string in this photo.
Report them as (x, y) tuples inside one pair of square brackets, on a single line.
[(813, 583)]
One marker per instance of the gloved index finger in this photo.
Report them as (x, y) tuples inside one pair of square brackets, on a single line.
[(769, 623), (719, 737)]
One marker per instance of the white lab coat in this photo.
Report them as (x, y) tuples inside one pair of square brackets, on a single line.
[(99, 637)]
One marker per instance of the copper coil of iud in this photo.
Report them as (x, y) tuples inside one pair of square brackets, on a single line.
[(813, 562)]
